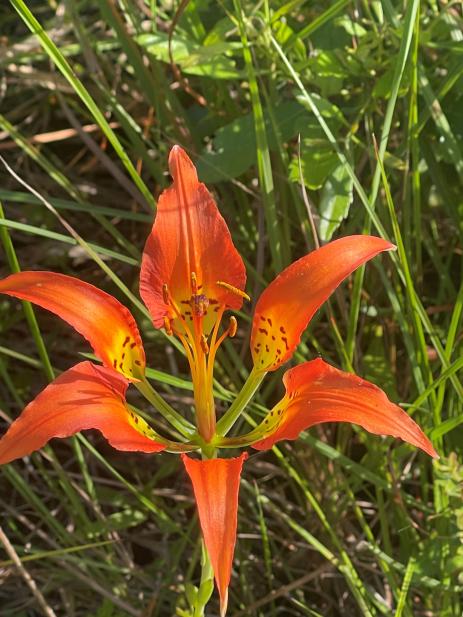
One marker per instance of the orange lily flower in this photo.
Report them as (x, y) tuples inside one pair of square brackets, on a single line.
[(190, 274)]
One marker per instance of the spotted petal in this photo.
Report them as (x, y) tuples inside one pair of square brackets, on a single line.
[(288, 304), (216, 485), (317, 392), (84, 397), (108, 326), (189, 235)]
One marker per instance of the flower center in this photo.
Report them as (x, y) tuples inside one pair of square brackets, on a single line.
[(199, 304), (195, 320)]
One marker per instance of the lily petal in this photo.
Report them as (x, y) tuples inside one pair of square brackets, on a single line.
[(317, 392), (84, 397), (216, 485), (189, 236), (107, 325), (288, 304)]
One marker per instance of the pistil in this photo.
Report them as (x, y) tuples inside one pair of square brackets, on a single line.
[(200, 348)]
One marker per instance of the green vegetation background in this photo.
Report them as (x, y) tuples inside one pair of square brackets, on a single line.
[(341, 522)]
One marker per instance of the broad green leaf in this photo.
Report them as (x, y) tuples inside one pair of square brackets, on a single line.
[(384, 84), (284, 33), (328, 64), (327, 109), (194, 59), (318, 161), (335, 201), (234, 145), (352, 28)]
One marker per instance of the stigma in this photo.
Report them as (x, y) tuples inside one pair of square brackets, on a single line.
[(199, 304), (195, 319)]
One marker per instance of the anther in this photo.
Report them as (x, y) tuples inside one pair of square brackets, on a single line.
[(167, 326), (232, 327), (233, 290), (204, 345), (194, 284), (165, 293)]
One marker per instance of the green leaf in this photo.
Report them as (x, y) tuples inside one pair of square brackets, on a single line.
[(327, 64), (234, 145), (191, 592), (318, 161), (384, 85), (327, 109), (351, 27), (284, 33), (205, 591), (194, 59), (335, 201)]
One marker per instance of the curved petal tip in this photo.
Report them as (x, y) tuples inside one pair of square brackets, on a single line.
[(180, 163), (317, 392), (287, 305)]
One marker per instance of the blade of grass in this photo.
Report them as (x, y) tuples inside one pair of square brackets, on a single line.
[(410, 570), (374, 218), (400, 64), (264, 165), (27, 307), (63, 65)]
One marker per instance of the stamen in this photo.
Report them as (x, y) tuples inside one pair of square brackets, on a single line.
[(194, 284), (214, 346), (233, 290), (165, 294), (204, 345), (178, 314), (232, 327), (168, 326)]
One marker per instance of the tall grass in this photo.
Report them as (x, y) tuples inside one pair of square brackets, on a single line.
[(370, 93)]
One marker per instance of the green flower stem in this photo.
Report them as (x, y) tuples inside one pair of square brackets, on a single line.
[(206, 585), (236, 408), (240, 442), (184, 427), (175, 447)]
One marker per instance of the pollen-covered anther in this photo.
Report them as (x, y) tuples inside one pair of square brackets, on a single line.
[(204, 344), (165, 294), (194, 283), (232, 327), (233, 290), (168, 326)]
